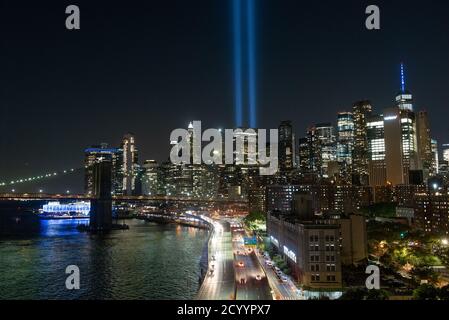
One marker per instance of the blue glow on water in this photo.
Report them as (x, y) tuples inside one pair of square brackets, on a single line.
[(251, 63), (148, 261), (61, 227), (237, 16)]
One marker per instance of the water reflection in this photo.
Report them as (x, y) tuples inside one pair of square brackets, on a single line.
[(148, 261)]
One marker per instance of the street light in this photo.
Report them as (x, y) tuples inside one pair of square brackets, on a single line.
[(445, 242)]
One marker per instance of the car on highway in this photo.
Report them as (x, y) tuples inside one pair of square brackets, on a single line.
[(241, 264), (269, 263), (284, 279), (258, 277)]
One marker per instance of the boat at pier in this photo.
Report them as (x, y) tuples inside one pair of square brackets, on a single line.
[(57, 210)]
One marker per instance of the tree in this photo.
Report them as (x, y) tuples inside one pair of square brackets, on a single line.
[(425, 292), (424, 273), (377, 295), (354, 294), (255, 216), (444, 293), (386, 210), (364, 294)]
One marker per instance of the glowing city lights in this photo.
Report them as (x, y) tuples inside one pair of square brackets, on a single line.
[(36, 178)]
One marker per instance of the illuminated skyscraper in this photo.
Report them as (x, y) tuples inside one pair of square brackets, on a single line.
[(404, 99), (435, 163), (345, 143), (394, 146), (361, 110), (286, 146), (130, 164), (304, 155), (424, 139), (319, 150), (404, 102), (446, 152), (376, 147), (205, 181), (150, 181), (97, 154), (313, 151), (327, 144), (409, 141), (376, 137)]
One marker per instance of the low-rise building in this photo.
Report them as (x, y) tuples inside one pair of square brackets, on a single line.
[(407, 213), (353, 237), (311, 249), (432, 213)]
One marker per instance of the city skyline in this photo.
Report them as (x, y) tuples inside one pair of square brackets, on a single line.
[(227, 150), (30, 186), (285, 82)]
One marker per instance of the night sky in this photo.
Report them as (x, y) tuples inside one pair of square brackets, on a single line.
[(149, 67)]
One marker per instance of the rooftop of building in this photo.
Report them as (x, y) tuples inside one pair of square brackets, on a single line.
[(308, 224)]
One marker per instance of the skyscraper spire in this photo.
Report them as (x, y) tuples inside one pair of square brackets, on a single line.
[(402, 78), (404, 99)]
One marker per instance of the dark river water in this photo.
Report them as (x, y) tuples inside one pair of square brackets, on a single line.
[(148, 261)]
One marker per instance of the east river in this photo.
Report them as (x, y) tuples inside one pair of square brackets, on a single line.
[(148, 261)]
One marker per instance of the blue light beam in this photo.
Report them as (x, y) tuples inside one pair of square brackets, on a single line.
[(251, 63), (237, 16)]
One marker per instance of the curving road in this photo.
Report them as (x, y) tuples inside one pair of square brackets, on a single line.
[(219, 283)]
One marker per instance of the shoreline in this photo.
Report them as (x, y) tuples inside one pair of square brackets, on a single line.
[(201, 224)]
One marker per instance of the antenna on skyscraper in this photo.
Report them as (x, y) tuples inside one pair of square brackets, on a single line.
[(402, 78)]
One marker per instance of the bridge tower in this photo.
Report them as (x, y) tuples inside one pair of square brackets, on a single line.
[(101, 204)]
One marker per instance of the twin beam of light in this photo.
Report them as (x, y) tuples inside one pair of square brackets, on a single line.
[(238, 60), (402, 78)]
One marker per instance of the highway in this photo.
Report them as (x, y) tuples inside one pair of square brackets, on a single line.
[(251, 282), (282, 290), (234, 269), (219, 282)]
